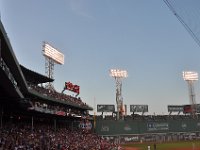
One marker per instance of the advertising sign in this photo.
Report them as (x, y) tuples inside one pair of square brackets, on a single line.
[(105, 108), (153, 126), (175, 108), (187, 109), (72, 87), (138, 108)]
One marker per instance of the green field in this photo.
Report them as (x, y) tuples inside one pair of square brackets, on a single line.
[(167, 146)]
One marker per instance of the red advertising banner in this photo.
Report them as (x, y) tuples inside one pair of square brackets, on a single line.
[(187, 109), (72, 87)]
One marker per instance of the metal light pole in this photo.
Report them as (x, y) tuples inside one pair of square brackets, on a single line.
[(52, 56), (118, 75), (190, 77)]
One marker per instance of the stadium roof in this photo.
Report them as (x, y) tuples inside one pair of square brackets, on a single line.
[(10, 59), (34, 77)]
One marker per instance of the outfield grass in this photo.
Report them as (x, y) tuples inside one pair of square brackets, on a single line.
[(166, 146)]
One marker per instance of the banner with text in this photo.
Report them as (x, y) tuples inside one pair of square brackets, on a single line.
[(157, 126), (105, 108), (175, 108), (138, 108)]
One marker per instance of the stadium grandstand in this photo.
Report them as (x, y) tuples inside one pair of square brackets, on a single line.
[(33, 117)]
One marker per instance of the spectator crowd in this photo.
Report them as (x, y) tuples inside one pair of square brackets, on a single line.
[(56, 95), (23, 137)]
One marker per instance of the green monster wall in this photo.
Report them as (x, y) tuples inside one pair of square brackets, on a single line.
[(112, 127)]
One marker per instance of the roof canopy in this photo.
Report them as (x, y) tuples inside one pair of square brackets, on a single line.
[(34, 77)]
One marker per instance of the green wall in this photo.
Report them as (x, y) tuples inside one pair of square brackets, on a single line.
[(112, 127)]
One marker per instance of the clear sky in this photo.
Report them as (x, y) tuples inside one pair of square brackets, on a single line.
[(140, 36)]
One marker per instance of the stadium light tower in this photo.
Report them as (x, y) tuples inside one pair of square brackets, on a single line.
[(52, 57), (190, 77), (118, 75)]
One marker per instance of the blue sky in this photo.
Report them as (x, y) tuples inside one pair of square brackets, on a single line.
[(140, 36)]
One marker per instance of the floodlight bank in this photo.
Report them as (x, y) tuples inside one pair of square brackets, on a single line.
[(190, 76), (53, 53), (118, 73)]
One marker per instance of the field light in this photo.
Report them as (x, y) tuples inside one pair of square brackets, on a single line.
[(190, 76), (118, 76), (53, 53), (52, 57), (118, 73)]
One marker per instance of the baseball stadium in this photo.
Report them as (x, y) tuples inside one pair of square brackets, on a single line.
[(35, 116)]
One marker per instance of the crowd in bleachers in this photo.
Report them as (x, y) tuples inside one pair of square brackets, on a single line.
[(23, 137), (56, 95), (55, 109)]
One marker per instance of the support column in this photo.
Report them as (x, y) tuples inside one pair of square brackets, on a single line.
[(32, 123), (55, 125), (1, 118), (72, 126)]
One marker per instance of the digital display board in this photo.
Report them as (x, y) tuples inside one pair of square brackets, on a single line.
[(105, 108), (71, 87), (138, 108)]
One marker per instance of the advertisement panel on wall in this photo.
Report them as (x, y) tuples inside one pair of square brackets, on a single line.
[(157, 126)]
